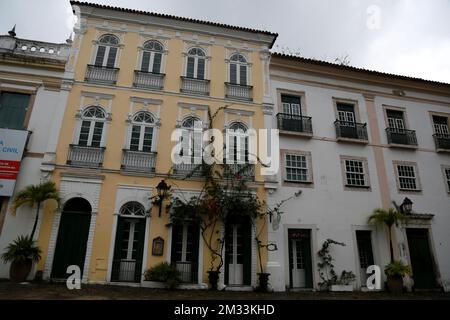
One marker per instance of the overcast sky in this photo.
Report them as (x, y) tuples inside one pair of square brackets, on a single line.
[(408, 37)]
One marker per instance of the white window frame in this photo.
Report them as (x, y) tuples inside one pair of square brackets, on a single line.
[(92, 121), (190, 132), (413, 165), (196, 58), (107, 49), (365, 173), (446, 177), (152, 57), (238, 69), (142, 125), (232, 136), (308, 163)]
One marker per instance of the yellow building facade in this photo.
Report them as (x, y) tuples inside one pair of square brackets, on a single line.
[(138, 77)]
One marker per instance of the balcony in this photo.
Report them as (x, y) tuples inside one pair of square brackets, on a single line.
[(124, 270), (188, 271), (195, 86), (188, 170), (85, 156), (401, 137), (290, 123), (244, 171), (442, 142), (351, 131), (138, 161), (101, 75), (148, 80), (239, 92)]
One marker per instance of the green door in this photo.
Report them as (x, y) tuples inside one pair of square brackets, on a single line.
[(300, 263), (421, 261), (238, 251), (128, 250), (72, 237)]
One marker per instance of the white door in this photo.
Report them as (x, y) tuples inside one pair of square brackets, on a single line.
[(298, 271), (235, 255)]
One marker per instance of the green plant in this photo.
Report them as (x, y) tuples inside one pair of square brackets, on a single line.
[(36, 195), (346, 278), (397, 269), (21, 250), (164, 272), (388, 218), (326, 267)]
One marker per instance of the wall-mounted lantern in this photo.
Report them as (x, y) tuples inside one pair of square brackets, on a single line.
[(406, 206), (163, 192)]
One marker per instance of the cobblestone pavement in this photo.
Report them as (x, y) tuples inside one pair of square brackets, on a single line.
[(37, 291)]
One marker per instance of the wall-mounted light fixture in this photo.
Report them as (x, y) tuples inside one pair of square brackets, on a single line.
[(163, 191)]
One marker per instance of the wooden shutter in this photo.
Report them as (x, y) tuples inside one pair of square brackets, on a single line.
[(190, 67), (100, 56), (157, 63), (233, 73), (110, 63), (243, 75), (13, 109), (201, 68), (139, 248), (145, 61)]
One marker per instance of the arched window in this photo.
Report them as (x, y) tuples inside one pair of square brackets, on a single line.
[(142, 132), (107, 51), (237, 137), (191, 139), (196, 59), (152, 56), (93, 120), (132, 208), (238, 69)]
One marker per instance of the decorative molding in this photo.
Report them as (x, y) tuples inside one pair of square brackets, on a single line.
[(146, 100), (97, 95)]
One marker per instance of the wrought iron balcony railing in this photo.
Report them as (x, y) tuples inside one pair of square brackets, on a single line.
[(126, 270), (244, 171), (294, 123), (240, 92), (351, 130), (401, 136), (442, 141), (195, 86), (188, 271), (188, 169), (138, 161), (102, 75), (85, 156), (148, 80)]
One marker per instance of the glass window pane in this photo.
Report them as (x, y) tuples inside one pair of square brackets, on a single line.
[(84, 133), (243, 75), (190, 67), (135, 135), (233, 73), (13, 108), (201, 69), (97, 135)]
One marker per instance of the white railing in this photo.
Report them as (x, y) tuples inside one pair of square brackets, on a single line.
[(85, 156), (148, 80), (196, 86), (238, 91), (138, 161), (101, 74), (59, 51), (246, 171), (188, 169)]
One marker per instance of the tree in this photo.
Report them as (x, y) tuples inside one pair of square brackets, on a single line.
[(36, 195), (388, 218)]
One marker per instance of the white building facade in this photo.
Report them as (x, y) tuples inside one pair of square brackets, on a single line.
[(33, 91), (354, 140)]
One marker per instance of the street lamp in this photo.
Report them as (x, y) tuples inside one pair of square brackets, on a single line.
[(163, 191), (406, 206)]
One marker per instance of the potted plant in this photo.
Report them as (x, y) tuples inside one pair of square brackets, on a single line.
[(164, 274), (22, 252), (395, 271), (344, 283)]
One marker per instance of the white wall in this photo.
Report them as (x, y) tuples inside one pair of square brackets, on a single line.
[(335, 213)]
